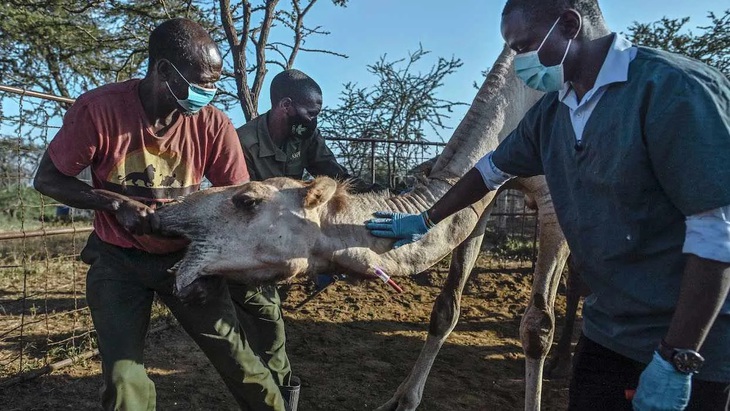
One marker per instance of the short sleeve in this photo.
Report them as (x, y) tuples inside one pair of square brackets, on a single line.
[(519, 153), (688, 141), (492, 176), (708, 234), (74, 146), (227, 165)]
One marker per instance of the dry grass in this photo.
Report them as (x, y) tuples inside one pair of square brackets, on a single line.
[(43, 312), (352, 346)]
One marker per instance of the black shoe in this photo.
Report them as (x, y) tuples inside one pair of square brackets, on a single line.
[(291, 393)]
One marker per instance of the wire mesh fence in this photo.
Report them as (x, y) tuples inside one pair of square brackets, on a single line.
[(44, 319), (42, 308)]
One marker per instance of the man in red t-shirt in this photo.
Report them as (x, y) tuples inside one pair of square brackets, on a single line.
[(147, 142)]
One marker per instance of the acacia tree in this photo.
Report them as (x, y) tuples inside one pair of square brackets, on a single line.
[(241, 32), (711, 46), (402, 105), (66, 47)]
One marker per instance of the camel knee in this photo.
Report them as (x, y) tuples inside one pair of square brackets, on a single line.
[(537, 328), (444, 315)]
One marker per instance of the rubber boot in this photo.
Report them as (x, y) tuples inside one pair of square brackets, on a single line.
[(291, 393)]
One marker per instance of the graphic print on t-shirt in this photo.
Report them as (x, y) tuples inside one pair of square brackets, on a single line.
[(147, 174)]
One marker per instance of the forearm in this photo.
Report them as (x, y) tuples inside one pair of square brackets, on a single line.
[(75, 193), (467, 191), (704, 289), (72, 191)]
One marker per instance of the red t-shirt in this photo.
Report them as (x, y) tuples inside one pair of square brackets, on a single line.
[(107, 129)]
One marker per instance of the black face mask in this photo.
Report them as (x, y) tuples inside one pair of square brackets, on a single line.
[(301, 127)]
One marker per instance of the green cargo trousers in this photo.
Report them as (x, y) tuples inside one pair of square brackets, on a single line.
[(241, 331)]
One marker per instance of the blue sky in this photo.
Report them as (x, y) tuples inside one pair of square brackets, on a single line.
[(468, 30)]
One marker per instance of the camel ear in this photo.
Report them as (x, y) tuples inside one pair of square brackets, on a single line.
[(319, 192)]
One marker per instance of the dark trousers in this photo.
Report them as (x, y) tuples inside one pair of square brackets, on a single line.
[(240, 330), (601, 379)]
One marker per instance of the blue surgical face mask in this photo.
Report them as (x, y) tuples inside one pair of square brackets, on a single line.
[(535, 74), (198, 97)]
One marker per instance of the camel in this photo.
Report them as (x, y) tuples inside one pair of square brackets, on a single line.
[(561, 361), (279, 228)]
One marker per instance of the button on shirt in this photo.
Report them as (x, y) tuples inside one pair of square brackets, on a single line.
[(708, 233)]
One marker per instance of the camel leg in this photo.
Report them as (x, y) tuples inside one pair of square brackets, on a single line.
[(560, 362), (538, 324), (444, 316)]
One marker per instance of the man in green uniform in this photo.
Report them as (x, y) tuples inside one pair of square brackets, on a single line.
[(635, 146), (284, 142)]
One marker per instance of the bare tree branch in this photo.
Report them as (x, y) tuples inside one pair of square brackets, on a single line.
[(238, 49), (308, 50), (299, 22), (260, 73), (164, 8)]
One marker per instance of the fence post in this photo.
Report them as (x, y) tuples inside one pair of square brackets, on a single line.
[(372, 162)]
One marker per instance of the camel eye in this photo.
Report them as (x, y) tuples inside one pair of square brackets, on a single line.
[(246, 202)]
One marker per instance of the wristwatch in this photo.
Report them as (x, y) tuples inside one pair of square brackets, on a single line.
[(684, 360)]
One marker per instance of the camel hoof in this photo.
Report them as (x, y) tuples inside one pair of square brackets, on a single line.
[(558, 368), (399, 403)]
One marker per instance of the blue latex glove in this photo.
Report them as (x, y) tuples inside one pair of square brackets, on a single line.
[(406, 228), (662, 387)]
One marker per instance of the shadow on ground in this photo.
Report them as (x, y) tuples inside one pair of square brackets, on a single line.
[(352, 347)]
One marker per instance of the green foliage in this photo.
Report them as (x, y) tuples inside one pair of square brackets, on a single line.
[(514, 247), (67, 47), (22, 206), (18, 160), (711, 46)]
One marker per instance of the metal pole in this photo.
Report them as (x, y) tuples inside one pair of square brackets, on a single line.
[(380, 140), (534, 242), (15, 235), (372, 161), (31, 93)]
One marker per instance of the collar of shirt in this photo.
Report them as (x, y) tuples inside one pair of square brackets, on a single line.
[(615, 69), (266, 145)]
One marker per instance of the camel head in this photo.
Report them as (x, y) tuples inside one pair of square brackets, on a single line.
[(258, 232), (269, 231)]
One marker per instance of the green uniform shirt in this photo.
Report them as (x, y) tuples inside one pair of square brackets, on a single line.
[(265, 160), (656, 149)]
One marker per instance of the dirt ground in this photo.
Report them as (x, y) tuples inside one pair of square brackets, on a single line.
[(351, 346)]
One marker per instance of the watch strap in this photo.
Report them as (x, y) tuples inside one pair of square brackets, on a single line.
[(666, 351)]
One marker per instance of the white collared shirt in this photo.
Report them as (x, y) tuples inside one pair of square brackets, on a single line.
[(615, 69), (708, 233)]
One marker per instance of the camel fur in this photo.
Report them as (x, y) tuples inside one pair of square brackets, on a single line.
[(279, 228)]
